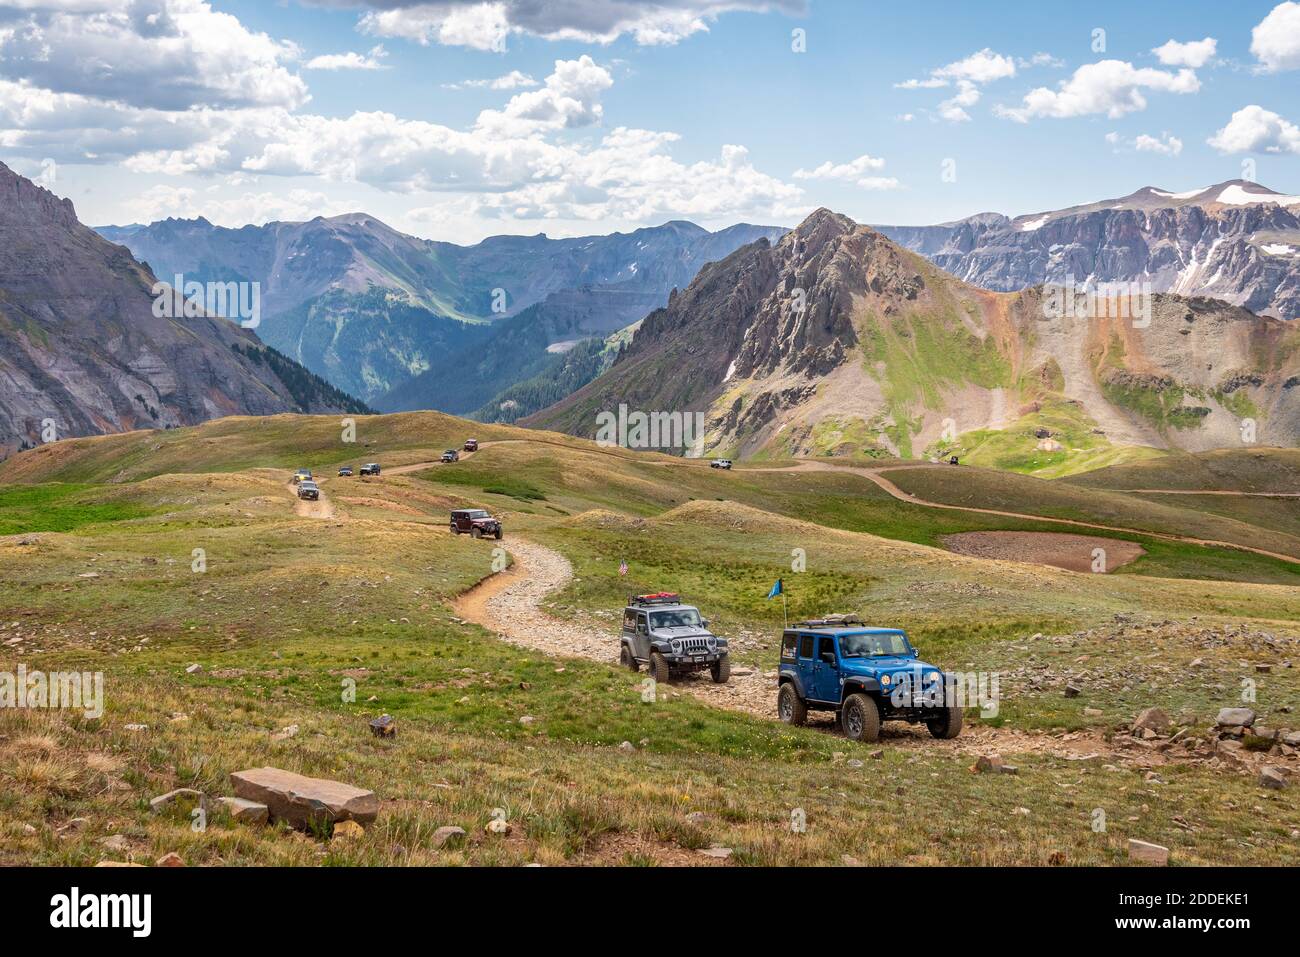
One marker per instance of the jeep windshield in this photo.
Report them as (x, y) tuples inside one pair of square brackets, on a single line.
[(874, 645), (477, 514), (680, 618)]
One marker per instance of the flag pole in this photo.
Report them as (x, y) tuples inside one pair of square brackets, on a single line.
[(784, 611)]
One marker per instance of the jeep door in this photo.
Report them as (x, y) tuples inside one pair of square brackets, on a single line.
[(807, 665), (641, 637), (825, 683)]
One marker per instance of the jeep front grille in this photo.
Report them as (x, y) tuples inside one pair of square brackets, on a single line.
[(695, 646)]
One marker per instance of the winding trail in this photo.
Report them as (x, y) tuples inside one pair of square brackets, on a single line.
[(322, 508), (875, 475)]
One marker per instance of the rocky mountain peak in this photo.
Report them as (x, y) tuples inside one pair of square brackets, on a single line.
[(22, 198)]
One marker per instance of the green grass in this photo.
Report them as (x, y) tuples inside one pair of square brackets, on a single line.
[(58, 507)]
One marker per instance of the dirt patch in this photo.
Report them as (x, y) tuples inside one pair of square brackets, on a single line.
[(305, 508), (1072, 552)]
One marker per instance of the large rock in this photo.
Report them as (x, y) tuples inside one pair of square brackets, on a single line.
[(1235, 718), (302, 801), (245, 812)]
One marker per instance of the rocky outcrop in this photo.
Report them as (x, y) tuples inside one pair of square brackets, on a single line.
[(82, 351)]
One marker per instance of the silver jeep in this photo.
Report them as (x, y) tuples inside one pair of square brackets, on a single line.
[(670, 638)]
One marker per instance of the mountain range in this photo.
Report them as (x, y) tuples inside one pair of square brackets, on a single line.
[(836, 340), (407, 323), (1236, 241), (83, 349)]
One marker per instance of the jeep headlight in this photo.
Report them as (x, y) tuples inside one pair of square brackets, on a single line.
[(886, 680), (676, 645), (713, 643)]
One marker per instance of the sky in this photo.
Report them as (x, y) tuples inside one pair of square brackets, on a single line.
[(459, 119)]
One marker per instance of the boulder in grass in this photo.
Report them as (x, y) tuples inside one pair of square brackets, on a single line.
[(1235, 718), (1146, 853), (305, 802), (1272, 778), (187, 796)]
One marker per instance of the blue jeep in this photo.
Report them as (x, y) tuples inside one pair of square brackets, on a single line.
[(865, 675)]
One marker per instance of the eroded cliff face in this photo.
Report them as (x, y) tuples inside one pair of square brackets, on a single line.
[(1235, 241), (81, 351)]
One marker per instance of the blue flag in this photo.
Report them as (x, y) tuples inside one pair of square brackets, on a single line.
[(777, 589)]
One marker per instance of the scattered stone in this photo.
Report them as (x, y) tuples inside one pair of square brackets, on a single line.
[(855, 763), (877, 754), (1147, 853), (164, 800), (987, 763), (245, 812), (447, 834), (1092, 712), (118, 864), (1235, 718), (498, 826), (136, 727), (1272, 778), (347, 831), (527, 719), (1152, 719), (194, 670), (627, 746), (1263, 669), (170, 859), (383, 726), (1008, 769), (1073, 691), (717, 852), (285, 733), (848, 860), (304, 801)]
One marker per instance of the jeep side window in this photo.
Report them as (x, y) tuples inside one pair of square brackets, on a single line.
[(788, 645), (629, 621), (640, 623), (826, 650), (805, 646)]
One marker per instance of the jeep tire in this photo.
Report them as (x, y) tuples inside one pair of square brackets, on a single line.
[(498, 535), (947, 727), (721, 670), (861, 718), (626, 659), (477, 532), (659, 668), (789, 706)]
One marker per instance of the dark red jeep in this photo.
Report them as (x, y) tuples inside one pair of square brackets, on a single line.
[(475, 521)]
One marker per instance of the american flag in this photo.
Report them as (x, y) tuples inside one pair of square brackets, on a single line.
[(622, 567)]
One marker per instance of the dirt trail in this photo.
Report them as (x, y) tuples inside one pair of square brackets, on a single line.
[(421, 466), (304, 508), (510, 604)]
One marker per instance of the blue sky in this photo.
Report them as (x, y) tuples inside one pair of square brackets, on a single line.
[(620, 113)]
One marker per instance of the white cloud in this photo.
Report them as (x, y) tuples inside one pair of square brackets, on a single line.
[(166, 54), (569, 99), (1111, 87), (1253, 129), (486, 24), (1165, 144), (349, 61), (1194, 53), (967, 75), (1275, 40), (854, 171), (514, 80)]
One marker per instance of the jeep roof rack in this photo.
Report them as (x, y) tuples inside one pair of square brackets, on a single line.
[(829, 621), (657, 598)]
